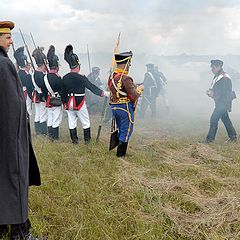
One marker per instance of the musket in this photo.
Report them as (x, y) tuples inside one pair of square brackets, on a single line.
[(44, 62), (89, 63), (35, 46), (106, 98), (13, 47), (17, 67), (25, 44)]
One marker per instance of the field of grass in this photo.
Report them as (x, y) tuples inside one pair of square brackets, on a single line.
[(168, 187)]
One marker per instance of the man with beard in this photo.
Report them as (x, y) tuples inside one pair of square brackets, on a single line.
[(18, 165)]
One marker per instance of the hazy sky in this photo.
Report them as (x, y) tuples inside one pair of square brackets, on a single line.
[(148, 26)]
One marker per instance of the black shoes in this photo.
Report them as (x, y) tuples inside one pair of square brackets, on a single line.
[(122, 149), (3, 231), (206, 141), (26, 237), (74, 137), (231, 140), (87, 135)]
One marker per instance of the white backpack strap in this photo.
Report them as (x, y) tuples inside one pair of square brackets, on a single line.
[(216, 79), (48, 86), (37, 88), (153, 78)]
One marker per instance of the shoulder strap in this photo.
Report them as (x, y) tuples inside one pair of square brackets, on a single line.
[(48, 85), (38, 89), (153, 78), (216, 79), (117, 89)]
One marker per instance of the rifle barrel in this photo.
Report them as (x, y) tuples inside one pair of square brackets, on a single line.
[(29, 55), (33, 41), (89, 63), (45, 64)]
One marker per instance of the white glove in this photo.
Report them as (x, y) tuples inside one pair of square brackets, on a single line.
[(106, 93)]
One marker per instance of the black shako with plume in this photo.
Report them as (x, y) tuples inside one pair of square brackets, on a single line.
[(39, 56), (20, 57), (52, 58), (70, 57)]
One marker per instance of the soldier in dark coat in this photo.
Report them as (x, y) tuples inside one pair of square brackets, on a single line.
[(74, 86), (18, 166), (222, 94), (123, 99), (152, 87), (163, 86), (41, 92), (93, 100), (53, 83), (25, 77)]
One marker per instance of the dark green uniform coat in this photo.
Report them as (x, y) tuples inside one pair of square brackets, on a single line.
[(18, 166)]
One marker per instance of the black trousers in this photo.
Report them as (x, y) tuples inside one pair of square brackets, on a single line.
[(20, 230), (220, 113), (148, 101)]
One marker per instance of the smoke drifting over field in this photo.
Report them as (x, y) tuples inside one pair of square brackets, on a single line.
[(190, 33)]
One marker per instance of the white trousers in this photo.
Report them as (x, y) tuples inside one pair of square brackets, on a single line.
[(55, 115), (83, 116), (29, 105), (40, 112)]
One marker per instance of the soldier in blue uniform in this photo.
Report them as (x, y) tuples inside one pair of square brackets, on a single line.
[(222, 94), (40, 93), (123, 99), (25, 77), (74, 86), (53, 83), (151, 91), (93, 100)]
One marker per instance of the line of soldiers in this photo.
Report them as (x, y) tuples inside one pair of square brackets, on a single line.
[(47, 90), (45, 87)]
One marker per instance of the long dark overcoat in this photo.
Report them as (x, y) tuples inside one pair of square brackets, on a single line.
[(18, 165)]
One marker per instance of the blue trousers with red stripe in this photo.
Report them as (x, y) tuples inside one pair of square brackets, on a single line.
[(124, 115)]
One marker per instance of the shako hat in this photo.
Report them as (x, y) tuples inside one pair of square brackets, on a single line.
[(95, 69), (123, 57), (20, 57), (217, 63), (39, 56), (150, 65), (70, 57), (52, 58)]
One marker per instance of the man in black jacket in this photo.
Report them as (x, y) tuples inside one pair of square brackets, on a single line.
[(222, 94), (18, 165), (74, 85)]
